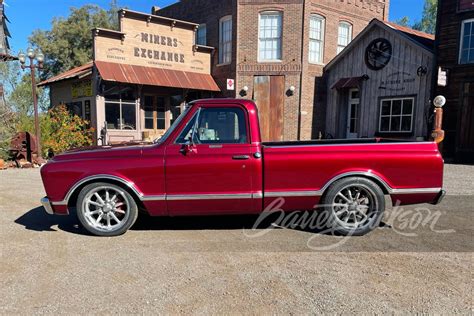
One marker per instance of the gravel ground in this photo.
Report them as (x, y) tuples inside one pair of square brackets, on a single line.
[(49, 265), (459, 179)]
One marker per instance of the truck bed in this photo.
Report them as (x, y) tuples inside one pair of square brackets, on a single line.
[(336, 142), (297, 168)]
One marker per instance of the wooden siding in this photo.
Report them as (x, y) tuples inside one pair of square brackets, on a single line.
[(448, 37), (270, 99), (406, 58)]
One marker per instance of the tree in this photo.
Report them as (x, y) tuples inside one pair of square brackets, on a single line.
[(405, 21), (16, 106), (428, 20), (17, 85), (69, 42), (7, 127)]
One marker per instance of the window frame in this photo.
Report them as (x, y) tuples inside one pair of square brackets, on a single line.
[(280, 38), (120, 102), (321, 40), (222, 60), (153, 113), (350, 34), (155, 106), (201, 29), (401, 115), (73, 103), (196, 115), (461, 41)]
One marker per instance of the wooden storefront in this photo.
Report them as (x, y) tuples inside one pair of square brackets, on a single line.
[(139, 79), (380, 85), (455, 57)]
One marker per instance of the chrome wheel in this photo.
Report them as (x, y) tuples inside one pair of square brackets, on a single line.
[(106, 208), (354, 206)]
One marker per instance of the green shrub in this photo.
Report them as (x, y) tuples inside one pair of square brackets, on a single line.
[(63, 131)]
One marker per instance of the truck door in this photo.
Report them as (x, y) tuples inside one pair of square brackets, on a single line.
[(209, 166)]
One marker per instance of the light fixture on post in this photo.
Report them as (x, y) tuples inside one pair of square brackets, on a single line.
[(32, 55), (244, 91), (291, 91), (438, 134)]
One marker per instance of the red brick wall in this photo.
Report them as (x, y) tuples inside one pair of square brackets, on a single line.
[(290, 65), (209, 12), (359, 14), (294, 65)]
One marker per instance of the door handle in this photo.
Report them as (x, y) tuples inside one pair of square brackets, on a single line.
[(241, 157)]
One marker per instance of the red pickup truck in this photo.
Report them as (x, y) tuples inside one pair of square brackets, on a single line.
[(212, 161)]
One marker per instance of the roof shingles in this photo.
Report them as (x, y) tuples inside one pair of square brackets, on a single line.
[(72, 73)]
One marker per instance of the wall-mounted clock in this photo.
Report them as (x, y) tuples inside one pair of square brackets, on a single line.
[(378, 53)]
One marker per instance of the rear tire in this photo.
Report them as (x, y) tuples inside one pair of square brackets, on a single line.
[(106, 209), (354, 206)]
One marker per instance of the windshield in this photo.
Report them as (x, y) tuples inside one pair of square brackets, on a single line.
[(173, 126)]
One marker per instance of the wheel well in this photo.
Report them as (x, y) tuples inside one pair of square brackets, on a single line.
[(73, 198), (376, 180)]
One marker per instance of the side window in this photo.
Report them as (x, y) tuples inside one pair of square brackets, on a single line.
[(216, 126), (187, 131), (466, 53), (221, 126)]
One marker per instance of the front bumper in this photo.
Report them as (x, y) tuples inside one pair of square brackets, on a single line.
[(47, 205), (439, 197)]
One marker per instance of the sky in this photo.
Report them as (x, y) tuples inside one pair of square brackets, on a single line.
[(27, 15)]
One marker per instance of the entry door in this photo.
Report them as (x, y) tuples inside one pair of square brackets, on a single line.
[(214, 175), (155, 113), (353, 114), (269, 95), (466, 128)]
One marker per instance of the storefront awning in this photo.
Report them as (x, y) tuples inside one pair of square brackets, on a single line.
[(348, 83), (155, 76)]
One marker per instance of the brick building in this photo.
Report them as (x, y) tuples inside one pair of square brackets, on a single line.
[(276, 50), (455, 57)]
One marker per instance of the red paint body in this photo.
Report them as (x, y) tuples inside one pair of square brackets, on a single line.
[(169, 182)]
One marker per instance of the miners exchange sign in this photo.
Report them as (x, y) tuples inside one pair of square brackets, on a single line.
[(151, 41), (164, 45)]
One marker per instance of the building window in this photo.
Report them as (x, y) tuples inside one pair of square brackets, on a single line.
[(75, 108), (396, 115), (155, 112), (344, 36), (201, 35), (225, 40), (120, 108), (466, 54), (149, 113), (316, 38), (269, 38)]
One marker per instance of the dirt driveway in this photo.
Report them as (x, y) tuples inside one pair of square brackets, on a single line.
[(420, 260)]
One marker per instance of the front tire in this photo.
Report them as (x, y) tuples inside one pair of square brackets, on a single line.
[(354, 206), (106, 209)]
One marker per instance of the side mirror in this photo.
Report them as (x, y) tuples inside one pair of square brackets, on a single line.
[(187, 148)]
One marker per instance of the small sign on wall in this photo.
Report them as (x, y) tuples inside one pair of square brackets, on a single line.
[(230, 84), (442, 77)]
